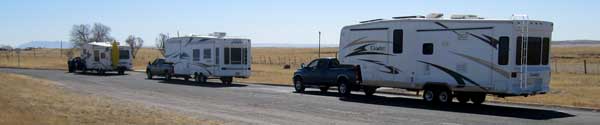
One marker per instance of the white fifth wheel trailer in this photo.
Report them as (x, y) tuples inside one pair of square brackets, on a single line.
[(102, 57), (464, 56), (204, 57)]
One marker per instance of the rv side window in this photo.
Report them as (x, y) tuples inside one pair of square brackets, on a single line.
[(427, 48), (503, 50), (236, 55), (217, 56), (534, 48), (207, 54), (398, 41), (123, 54), (245, 55), (545, 51), (96, 55), (226, 55), (196, 55)]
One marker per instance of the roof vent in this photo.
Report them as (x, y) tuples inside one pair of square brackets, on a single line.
[(435, 15), (218, 34), (408, 17), (368, 21), (465, 16)]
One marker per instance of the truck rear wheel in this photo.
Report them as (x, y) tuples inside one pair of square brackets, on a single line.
[(299, 85), (344, 87)]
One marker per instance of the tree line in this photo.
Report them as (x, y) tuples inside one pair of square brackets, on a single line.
[(82, 34)]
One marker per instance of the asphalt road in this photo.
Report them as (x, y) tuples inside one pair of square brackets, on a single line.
[(263, 104)]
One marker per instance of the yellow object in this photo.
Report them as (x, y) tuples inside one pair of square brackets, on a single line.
[(115, 54)]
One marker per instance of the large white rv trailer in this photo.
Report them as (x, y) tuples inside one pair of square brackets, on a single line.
[(204, 57), (466, 56), (100, 57)]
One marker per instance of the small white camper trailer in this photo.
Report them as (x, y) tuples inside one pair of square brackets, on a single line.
[(204, 57), (105, 56), (464, 56)]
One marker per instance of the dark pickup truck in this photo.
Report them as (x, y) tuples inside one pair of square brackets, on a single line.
[(327, 72), (160, 67)]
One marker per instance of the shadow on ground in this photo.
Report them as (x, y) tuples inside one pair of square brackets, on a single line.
[(492, 110), (97, 74), (193, 83)]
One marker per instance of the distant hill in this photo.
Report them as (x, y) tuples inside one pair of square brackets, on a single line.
[(46, 44), (576, 42)]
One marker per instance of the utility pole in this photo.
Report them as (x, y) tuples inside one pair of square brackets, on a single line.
[(319, 44), (60, 49)]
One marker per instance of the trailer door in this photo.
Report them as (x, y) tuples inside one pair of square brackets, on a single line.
[(370, 48)]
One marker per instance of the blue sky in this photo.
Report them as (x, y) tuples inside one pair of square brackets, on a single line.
[(267, 21)]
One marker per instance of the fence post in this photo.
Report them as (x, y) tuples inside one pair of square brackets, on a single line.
[(584, 66)]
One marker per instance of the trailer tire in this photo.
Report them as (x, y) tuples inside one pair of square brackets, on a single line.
[(444, 96), (463, 99), (121, 72), (369, 91), (299, 85), (200, 78), (478, 98), (429, 95), (344, 88)]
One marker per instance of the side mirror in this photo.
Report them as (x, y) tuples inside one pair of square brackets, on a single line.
[(302, 65), (149, 63)]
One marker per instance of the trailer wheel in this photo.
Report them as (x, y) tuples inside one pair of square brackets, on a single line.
[(429, 95), (227, 80), (324, 89), (149, 74), (462, 98), (369, 91), (478, 98), (444, 96), (121, 72), (200, 78), (299, 85), (344, 88)]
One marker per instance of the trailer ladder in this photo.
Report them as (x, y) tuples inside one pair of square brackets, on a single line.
[(523, 26)]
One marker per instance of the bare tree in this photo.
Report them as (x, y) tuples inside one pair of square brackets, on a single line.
[(135, 43), (101, 33), (160, 42), (80, 35)]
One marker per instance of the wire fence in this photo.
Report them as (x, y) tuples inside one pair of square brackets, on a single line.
[(576, 67)]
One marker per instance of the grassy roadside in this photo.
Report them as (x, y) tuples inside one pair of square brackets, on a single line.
[(27, 100)]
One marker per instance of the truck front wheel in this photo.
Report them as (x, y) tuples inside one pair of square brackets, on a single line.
[(149, 74), (298, 85)]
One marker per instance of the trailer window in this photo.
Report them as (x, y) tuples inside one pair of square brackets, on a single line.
[(96, 55), (503, 50), (195, 55), (545, 51), (123, 54), (226, 55), (534, 50), (236, 55), (245, 55), (427, 48), (398, 41), (207, 54), (217, 56)]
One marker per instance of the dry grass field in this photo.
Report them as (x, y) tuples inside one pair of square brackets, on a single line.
[(569, 85), (31, 101)]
